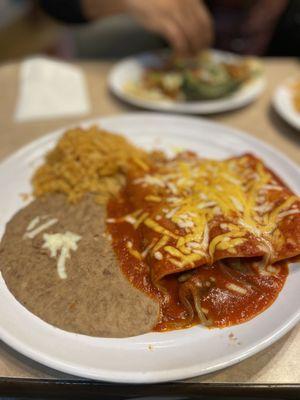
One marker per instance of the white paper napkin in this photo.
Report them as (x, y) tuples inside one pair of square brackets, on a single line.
[(50, 89)]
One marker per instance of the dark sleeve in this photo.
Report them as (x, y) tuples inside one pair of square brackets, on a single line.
[(286, 38), (68, 11)]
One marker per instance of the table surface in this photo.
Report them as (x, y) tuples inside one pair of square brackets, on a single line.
[(280, 363)]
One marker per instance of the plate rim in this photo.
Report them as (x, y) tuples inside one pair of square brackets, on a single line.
[(202, 119), (291, 117)]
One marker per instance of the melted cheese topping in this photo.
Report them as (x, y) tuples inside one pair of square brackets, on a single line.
[(31, 232), (239, 196), (63, 242), (33, 223)]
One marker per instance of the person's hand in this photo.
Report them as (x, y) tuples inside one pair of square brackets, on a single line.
[(185, 24)]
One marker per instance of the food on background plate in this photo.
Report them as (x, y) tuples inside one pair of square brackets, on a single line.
[(177, 241), (295, 88), (202, 77)]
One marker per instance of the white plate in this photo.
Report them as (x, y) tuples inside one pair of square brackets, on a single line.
[(132, 68), (283, 103), (153, 357)]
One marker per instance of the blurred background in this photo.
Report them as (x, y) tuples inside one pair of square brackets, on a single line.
[(29, 27)]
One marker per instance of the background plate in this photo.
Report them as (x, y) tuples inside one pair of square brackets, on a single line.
[(283, 103), (131, 69), (153, 357)]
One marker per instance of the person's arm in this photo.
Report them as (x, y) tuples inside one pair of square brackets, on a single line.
[(186, 25)]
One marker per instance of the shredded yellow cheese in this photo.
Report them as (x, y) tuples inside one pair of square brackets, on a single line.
[(195, 195), (133, 251), (158, 228)]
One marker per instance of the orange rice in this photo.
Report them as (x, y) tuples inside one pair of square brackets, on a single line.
[(87, 161)]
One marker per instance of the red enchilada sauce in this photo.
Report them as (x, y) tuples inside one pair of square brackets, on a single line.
[(228, 292), (223, 307)]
